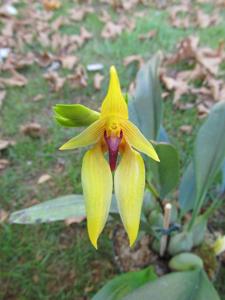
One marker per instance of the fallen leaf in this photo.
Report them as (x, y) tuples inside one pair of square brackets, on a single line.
[(180, 87), (179, 16), (2, 97), (203, 20), (147, 36), (133, 58), (111, 30), (186, 128), (44, 178), (98, 81), (38, 98), (3, 215), (4, 144), (16, 80), (79, 78), (202, 110), (4, 163), (85, 35), (79, 13), (73, 220), (69, 61), (32, 129), (51, 4), (55, 80)]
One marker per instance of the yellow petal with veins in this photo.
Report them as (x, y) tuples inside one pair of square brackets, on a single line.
[(87, 137), (97, 189), (129, 189), (114, 102), (136, 139)]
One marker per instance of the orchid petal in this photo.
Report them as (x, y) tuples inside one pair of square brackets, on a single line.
[(129, 189), (97, 189), (114, 102), (87, 137), (136, 139)]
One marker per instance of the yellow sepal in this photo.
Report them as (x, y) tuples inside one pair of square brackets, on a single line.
[(114, 102), (97, 189), (129, 189), (87, 137), (137, 140)]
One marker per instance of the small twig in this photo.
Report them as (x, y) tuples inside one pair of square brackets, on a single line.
[(166, 224)]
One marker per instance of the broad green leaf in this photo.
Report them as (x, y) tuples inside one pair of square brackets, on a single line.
[(185, 261), (187, 189), (166, 173), (209, 151), (163, 135), (222, 188), (52, 210), (190, 285), (56, 209), (74, 115), (145, 109), (123, 284)]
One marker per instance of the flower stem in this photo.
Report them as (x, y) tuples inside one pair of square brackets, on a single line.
[(166, 224)]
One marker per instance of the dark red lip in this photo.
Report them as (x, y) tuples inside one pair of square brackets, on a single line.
[(113, 143)]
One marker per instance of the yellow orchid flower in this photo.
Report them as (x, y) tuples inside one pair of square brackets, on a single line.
[(219, 245), (113, 132)]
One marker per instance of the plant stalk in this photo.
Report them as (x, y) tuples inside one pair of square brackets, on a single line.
[(166, 224)]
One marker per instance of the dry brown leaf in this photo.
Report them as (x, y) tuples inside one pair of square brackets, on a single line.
[(203, 110), (3, 215), (79, 13), (69, 61), (2, 97), (51, 4), (179, 86), (55, 80), (85, 35), (186, 128), (44, 178), (176, 19), (16, 80), (187, 49), (111, 30), (105, 17), (147, 36), (32, 129), (79, 78), (98, 78), (133, 58), (38, 98), (4, 144), (4, 163), (73, 220), (203, 20)]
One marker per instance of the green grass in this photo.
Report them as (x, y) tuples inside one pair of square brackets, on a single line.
[(55, 261)]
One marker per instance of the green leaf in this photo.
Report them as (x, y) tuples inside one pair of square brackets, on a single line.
[(145, 109), (222, 188), (57, 209), (187, 189), (120, 286), (52, 210), (74, 115), (185, 261), (166, 173), (209, 151), (191, 285)]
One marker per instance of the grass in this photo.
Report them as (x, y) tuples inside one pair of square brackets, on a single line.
[(54, 261)]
